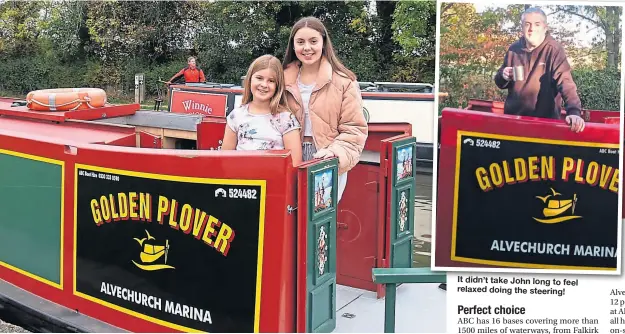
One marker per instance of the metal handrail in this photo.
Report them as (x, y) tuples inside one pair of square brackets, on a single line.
[(390, 277)]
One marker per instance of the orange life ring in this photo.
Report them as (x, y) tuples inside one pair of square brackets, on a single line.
[(65, 99)]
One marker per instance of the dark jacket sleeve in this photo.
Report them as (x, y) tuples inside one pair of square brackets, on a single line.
[(499, 80), (564, 82)]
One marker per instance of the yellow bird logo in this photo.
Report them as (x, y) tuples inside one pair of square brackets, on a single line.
[(140, 241), (544, 198)]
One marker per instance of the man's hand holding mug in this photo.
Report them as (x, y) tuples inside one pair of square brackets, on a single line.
[(507, 73)]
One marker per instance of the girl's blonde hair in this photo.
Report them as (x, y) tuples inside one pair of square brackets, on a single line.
[(278, 100)]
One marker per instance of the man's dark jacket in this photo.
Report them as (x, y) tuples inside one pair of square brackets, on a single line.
[(547, 80)]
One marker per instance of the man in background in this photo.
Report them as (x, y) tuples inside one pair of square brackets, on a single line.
[(191, 73), (537, 75)]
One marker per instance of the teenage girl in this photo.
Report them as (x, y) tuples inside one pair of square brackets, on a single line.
[(325, 97), (263, 121)]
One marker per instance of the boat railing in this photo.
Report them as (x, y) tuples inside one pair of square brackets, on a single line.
[(391, 277), (396, 87), (367, 86)]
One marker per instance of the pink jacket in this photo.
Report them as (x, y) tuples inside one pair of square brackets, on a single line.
[(336, 112)]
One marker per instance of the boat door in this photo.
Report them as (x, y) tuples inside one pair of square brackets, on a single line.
[(398, 154), (316, 246)]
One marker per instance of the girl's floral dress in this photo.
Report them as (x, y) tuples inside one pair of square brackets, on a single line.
[(260, 132)]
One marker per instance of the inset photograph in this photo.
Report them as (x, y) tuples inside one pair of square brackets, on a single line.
[(529, 138)]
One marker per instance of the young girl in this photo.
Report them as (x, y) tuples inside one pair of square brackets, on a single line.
[(263, 121), (325, 97)]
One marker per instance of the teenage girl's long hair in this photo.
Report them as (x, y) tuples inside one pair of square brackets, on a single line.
[(278, 100), (328, 49)]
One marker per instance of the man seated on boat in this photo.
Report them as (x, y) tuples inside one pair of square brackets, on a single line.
[(191, 73), (537, 74)]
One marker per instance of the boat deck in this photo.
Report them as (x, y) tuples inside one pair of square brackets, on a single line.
[(419, 308)]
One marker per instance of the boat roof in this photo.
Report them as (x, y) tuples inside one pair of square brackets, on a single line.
[(75, 131), (13, 107)]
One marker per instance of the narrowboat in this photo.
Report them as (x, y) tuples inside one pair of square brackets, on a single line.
[(384, 102), (117, 219), (526, 194)]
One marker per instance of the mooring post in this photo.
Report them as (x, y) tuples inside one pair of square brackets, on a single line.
[(141, 87), (137, 93), (389, 308)]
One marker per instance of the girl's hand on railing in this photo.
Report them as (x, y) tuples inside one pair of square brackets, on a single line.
[(323, 154)]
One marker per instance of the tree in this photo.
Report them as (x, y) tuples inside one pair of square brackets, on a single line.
[(238, 32), (608, 19), (472, 47), (61, 43), (414, 29), (149, 29), (20, 26)]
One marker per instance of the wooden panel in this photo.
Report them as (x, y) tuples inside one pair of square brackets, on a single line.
[(30, 242)]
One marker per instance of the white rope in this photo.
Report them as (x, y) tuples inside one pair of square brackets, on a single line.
[(52, 100)]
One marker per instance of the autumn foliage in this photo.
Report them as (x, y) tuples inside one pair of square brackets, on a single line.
[(472, 47)]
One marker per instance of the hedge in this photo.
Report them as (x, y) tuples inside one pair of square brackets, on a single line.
[(598, 90)]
